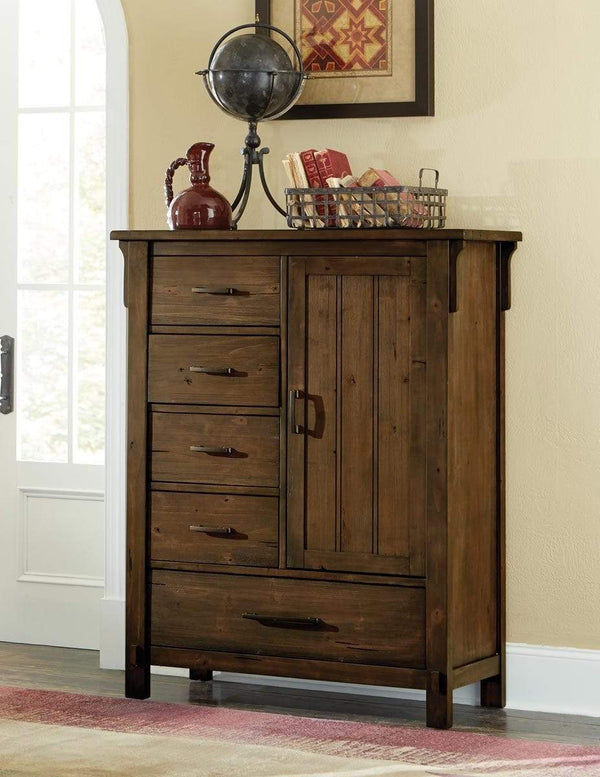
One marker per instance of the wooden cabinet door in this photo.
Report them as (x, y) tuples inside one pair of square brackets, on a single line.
[(356, 417)]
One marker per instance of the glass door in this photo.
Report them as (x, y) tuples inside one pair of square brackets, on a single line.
[(52, 301)]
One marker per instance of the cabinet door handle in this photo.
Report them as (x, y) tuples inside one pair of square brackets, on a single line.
[(224, 530), (293, 396), (213, 370), (279, 622), (211, 450), (225, 292)]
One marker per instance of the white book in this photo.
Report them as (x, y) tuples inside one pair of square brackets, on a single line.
[(344, 209)]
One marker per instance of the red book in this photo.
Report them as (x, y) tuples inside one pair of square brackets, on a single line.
[(311, 169), (332, 164), (315, 181)]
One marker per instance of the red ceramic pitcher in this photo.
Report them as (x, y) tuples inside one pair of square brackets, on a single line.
[(200, 206)]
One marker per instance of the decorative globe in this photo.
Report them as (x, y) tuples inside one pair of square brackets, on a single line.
[(252, 77)]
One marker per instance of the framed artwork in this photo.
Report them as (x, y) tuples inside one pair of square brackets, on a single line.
[(364, 57)]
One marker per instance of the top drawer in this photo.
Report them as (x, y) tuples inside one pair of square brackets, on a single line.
[(216, 290)]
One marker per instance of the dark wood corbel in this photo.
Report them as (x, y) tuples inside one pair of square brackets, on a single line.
[(505, 251), (456, 249)]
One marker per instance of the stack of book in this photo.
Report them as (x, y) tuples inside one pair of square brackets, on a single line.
[(329, 169)]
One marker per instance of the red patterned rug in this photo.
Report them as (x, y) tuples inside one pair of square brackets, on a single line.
[(63, 735)]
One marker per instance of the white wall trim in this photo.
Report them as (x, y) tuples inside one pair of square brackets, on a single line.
[(51, 579), (112, 633), (544, 679), (27, 575), (112, 636), (554, 679)]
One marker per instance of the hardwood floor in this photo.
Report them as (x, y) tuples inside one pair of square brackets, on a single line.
[(76, 671)]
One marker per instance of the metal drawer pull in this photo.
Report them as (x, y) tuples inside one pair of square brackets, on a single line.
[(284, 623), (211, 451), (213, 370), (207, 290), (225, 530), (293, 396)]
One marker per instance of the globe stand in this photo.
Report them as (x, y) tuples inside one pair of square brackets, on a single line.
[(252, 78), (252, 156)]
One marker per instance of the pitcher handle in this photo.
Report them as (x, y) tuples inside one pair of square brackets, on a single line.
[(169, 177)]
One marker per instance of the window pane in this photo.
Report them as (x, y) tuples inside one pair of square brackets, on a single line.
[(44, 53), (90, 61), (89, 377), (43, 201), (90, 194), (42, 380)]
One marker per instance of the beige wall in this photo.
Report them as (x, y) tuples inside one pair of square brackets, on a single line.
[(517, 138)]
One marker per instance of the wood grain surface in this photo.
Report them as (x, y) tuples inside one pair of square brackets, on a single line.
[(362, 373), (253, 362), (252, 521), (361, 624), (254, 281), (254, 440)]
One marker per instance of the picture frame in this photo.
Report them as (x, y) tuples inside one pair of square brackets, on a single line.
[(422, 99)]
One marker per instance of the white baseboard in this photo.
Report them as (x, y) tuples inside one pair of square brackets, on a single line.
[(467, 695), (549, 679), (176, 671), (544, 679), (112, 634)]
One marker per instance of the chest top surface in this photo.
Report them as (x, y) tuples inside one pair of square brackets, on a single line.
[(319, 235)]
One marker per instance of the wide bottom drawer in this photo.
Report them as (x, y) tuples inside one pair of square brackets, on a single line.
[(366, 624)]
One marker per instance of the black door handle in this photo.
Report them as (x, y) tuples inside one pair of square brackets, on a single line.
[(213, 370), (7, 360), (211, 450), (280, 622), (292, 397), (226, 292), (221, 530)]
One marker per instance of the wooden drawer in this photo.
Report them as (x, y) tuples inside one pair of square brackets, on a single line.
[(244, 529), (366, 624), (237, 370), (196, 290), (249, 446)]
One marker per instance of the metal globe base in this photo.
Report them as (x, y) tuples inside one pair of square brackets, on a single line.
[(252, 157), (253, 79)]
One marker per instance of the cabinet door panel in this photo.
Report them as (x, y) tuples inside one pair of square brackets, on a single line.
[(356, 471), (401, 420), (320, 413), (393, 485), (356, 414)]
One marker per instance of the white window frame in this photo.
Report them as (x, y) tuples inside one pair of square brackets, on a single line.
[(70, 285), (112, 621)]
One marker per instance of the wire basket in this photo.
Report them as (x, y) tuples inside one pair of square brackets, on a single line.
[(409, 207)]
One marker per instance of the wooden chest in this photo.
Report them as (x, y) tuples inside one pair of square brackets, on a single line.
[(316, 457)]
